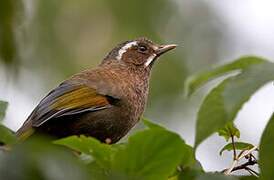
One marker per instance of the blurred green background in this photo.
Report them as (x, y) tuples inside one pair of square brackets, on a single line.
[(51, 40), (42, 42)]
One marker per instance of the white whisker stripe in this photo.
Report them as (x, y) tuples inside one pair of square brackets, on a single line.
[(124, 49), (150, 59)]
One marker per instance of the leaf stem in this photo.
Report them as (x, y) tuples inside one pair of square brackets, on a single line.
[(234, 147), (233, 144)]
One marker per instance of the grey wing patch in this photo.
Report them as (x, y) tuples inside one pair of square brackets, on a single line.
[(67, 112)]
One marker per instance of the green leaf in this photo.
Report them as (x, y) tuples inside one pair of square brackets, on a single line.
[(6, 135), (189, 174), (211, 176), (175, 177), (211, 115), (188, 159), (241, 87), (195, 81), (223, 103), (150, 154), (150, 124), (3, 107), (248, 177), (90, 146), (7, 34), (266, 151), (228, 131), (238, 146), (38, 159)]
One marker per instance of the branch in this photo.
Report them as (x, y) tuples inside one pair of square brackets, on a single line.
[(229, 170), (243, 166), (252, 171)]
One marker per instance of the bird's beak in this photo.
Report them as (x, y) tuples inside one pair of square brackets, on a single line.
[(165, 48)]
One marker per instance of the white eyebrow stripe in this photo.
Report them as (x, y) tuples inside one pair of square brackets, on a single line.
[(124, 49), (150, 59)]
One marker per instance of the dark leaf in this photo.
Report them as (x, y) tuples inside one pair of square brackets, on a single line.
[(211, 115), (189, 174), (223, 103), (242, 87), (266, 157), (195, 81)]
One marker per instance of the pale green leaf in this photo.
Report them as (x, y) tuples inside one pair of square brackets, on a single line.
[(238, 146), (228, 131), (150, 124)]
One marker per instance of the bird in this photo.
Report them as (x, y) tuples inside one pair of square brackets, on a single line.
[(104, 102)]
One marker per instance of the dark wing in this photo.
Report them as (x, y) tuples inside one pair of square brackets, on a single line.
[(67, 99)]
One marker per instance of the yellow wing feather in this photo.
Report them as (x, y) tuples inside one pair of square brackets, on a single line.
[(82, 97)]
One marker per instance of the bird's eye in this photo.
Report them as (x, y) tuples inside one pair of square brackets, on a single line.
[(142, 48)]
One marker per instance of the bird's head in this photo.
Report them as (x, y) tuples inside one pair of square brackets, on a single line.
[(140, 52)]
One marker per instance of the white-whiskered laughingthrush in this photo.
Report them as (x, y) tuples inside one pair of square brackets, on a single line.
[(105, 102)]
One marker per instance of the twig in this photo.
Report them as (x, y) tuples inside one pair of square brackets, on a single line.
[(249, 152), (251, 155), (254, 172), (250, 172), (242, 166), (229, 170)]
